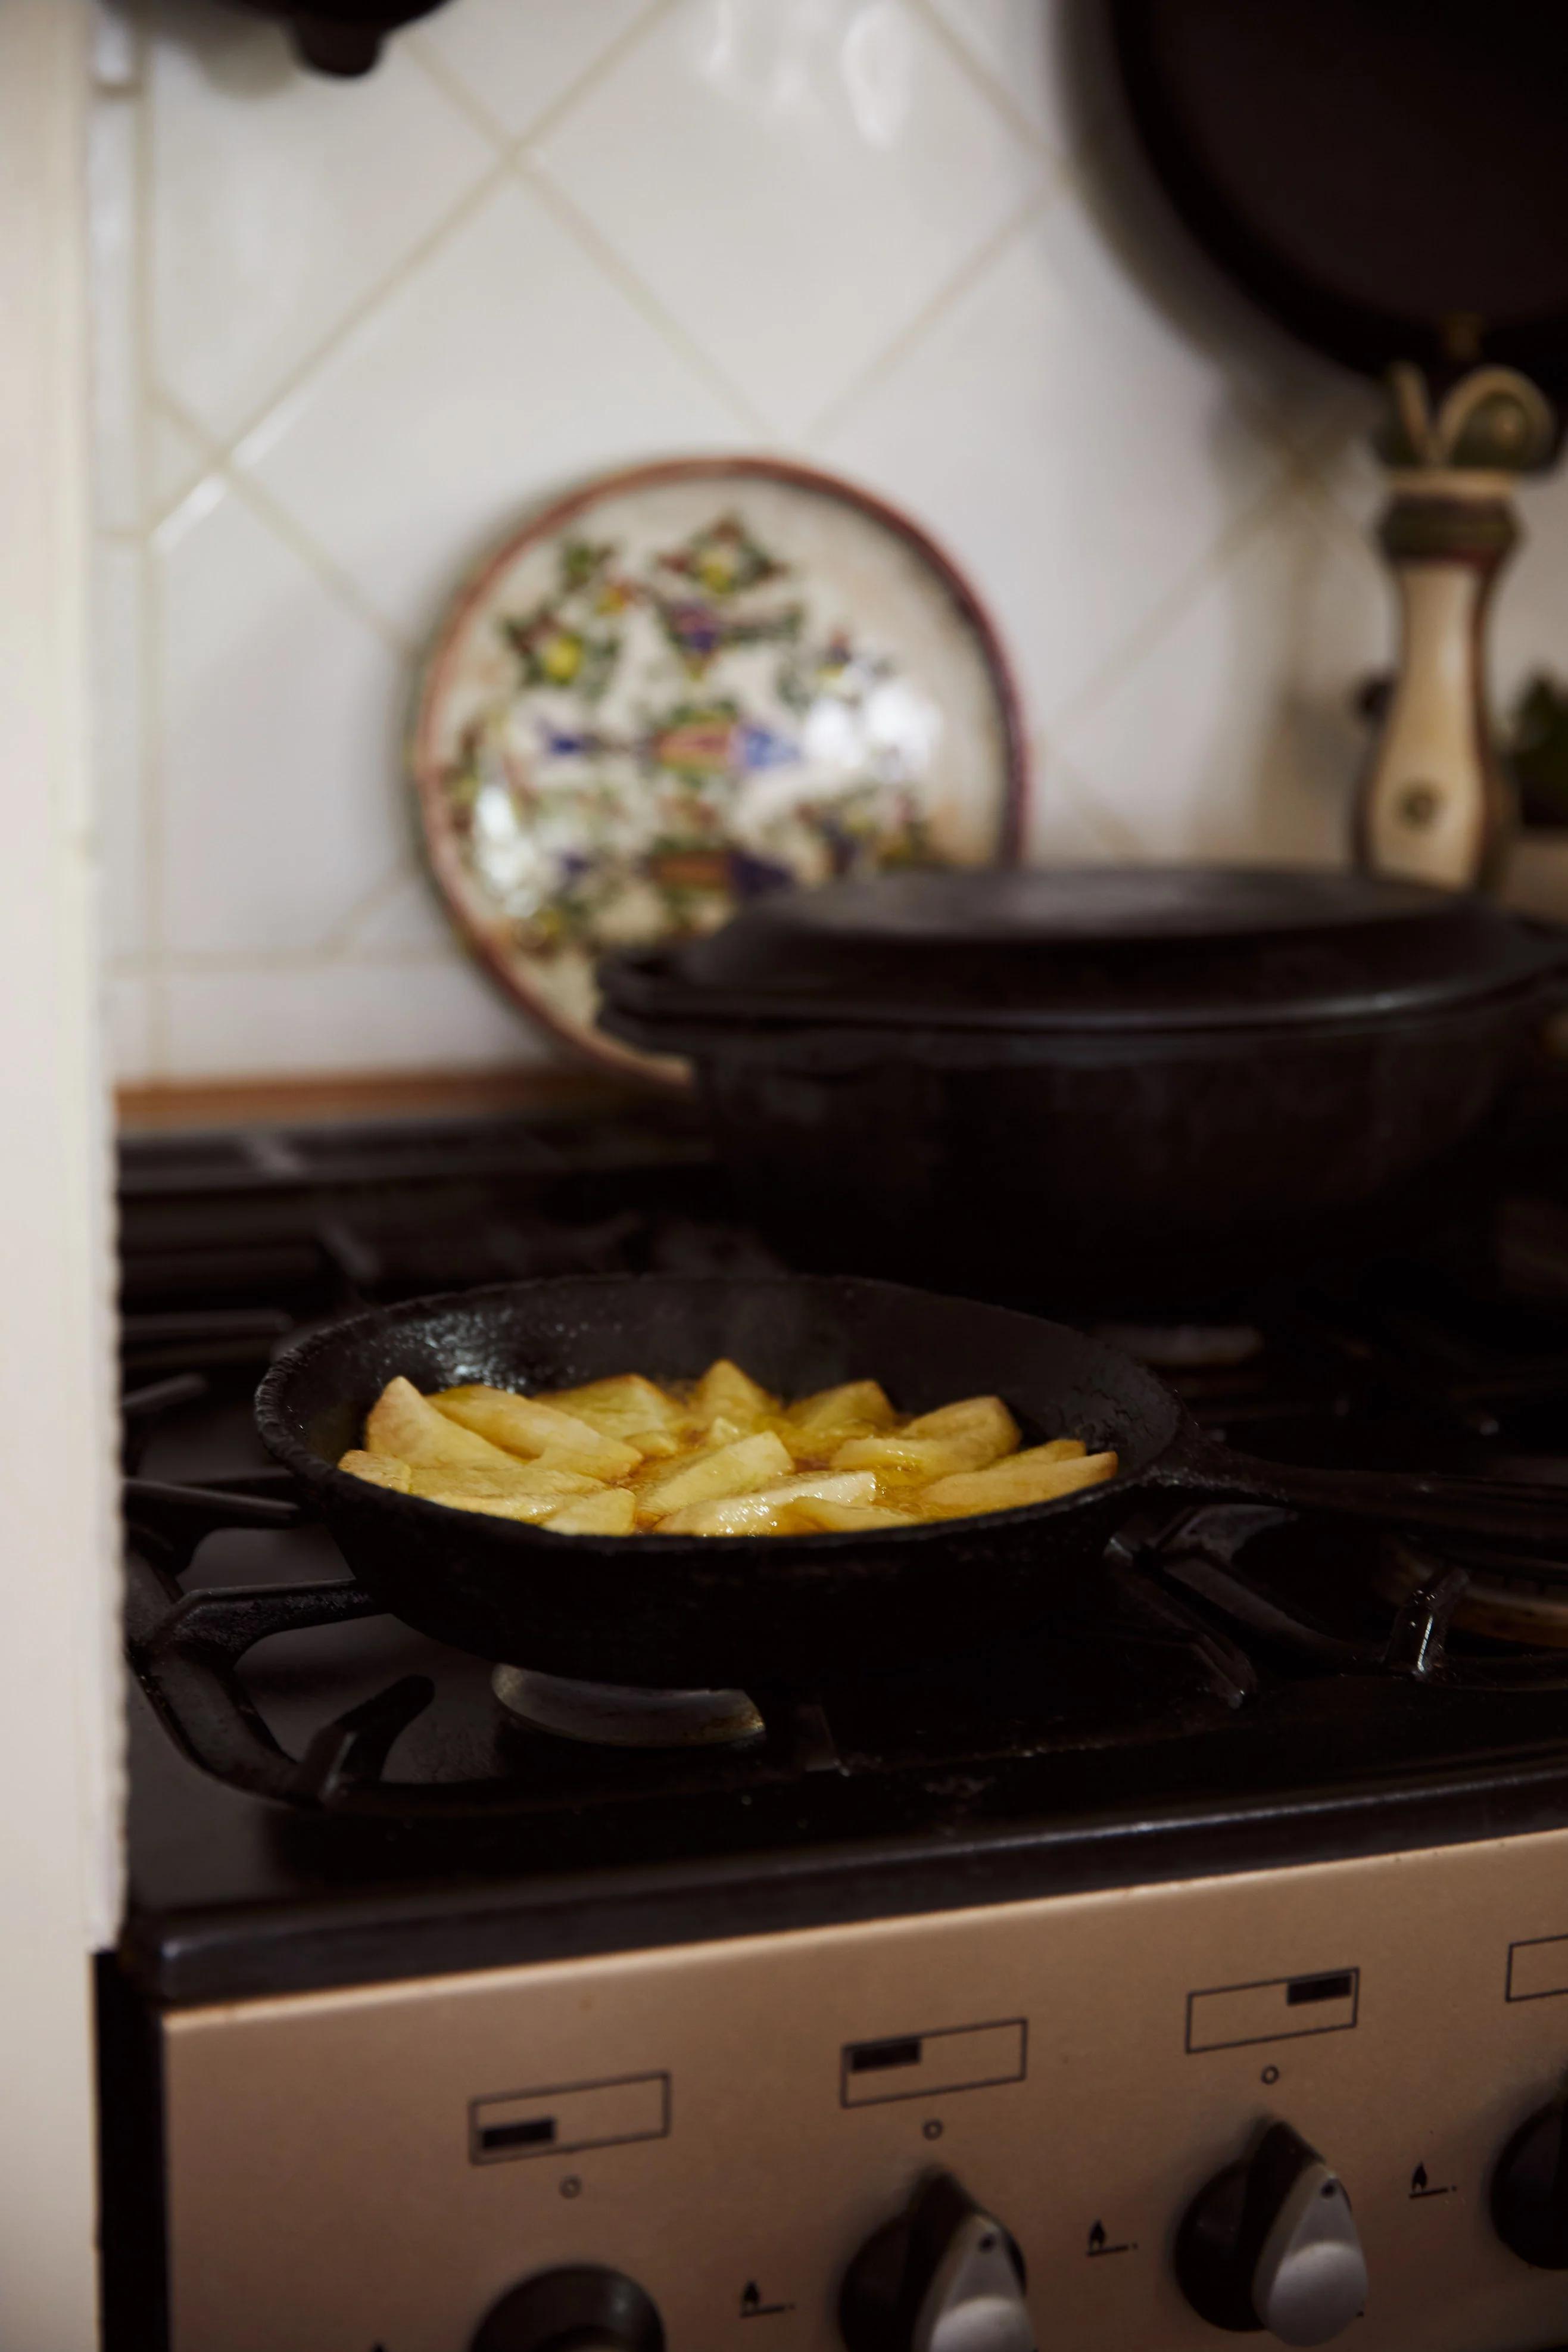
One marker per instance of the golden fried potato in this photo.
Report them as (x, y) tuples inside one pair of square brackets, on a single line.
[(854, 1405), (724, 1394), (529, 1491), (624, 1407), (1009, 1485), (617, 1455), (403, 1423), (850, 1518), (963, 1436), (745, 1515), (524, 1425), (737, 1468), (378, 1470), (613, 1511)]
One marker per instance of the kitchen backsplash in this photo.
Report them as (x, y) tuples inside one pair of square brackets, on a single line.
[(346, 334)]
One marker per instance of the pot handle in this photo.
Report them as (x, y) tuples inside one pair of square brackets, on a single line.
[(1523, 1516)]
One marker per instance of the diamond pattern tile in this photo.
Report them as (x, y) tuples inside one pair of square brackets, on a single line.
[(1233, 736), (500, 369), (823, 171), (1019, 44), (281, 199), (283, 799), (1074, 451), (518, 59)]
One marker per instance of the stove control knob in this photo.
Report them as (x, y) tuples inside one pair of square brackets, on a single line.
[(1271, 2243), (1530, 2191), (582, 2309), (944, 2277)]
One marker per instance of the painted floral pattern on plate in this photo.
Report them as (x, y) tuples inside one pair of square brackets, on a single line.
[(686, 695)]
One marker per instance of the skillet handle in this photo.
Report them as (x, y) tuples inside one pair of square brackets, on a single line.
[(1525, 1518)]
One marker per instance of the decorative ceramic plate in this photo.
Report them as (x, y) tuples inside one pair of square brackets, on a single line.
[(688, 685)]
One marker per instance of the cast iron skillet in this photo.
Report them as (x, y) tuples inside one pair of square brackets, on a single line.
[(1386, 177), (754, 1612)]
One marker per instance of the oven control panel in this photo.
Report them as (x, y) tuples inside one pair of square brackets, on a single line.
[(1319, 2103)]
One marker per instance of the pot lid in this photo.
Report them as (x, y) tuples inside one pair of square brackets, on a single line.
[(1127, 946)]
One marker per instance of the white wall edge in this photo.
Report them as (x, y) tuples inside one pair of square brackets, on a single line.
[(60, 1728)]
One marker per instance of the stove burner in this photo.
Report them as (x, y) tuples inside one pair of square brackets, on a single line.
[(1523, 1600), (611, 1714)]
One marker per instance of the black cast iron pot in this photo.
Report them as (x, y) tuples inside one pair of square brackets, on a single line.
[(1107, 1082)]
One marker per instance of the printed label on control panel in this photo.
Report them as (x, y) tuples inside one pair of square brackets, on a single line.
[(570, 2117), (917, 2065), (1538, 1968), (1282, 2009)]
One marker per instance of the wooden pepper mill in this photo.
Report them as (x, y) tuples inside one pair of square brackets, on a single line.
[(1436, 804)]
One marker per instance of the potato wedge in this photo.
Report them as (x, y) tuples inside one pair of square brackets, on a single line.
[(1059, 1449), (621, 1407), (746, 1514), (828, 1518), (523, 1425), (378, 1470), (1006, 1486), (981, 1427), (530, 1492), (739, 1468), (726, 1393), (613, 1511), (854, 1405), (403, 1423)]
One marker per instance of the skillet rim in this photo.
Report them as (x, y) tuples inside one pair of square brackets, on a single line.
[(315, 1472)]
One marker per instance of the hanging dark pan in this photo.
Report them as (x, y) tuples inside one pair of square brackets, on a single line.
[(1387, 178), (774, 1610)]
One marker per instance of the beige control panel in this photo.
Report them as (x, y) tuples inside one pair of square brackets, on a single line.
[(726, 2124)]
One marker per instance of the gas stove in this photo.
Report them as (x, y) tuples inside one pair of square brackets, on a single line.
[(452, 1998)]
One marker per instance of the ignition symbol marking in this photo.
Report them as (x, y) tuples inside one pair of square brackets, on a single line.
[(1421, 2186), (1097, 2244)]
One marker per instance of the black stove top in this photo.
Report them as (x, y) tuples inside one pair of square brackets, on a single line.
[(319, 1795)]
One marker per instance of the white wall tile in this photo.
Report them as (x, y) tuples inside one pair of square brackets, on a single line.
[(1073, 450), (114, 261), (128, 1024), (518, 61), (823, 168), (506, 367), (436, 1013), (177, 460), (842, 222), (283, 800), (1233, 736), (408, 915), (280, 199), (118, 743), (1017, 44)]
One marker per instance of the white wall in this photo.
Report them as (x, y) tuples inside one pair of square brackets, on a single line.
[(346, 332), (58, 1725)]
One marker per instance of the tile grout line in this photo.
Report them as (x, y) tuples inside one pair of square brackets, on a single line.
[(1166, 613), (428, 57), (277, 519), (534, 177), (1117, 836), (220, 961), (981, 77), (969, 274), (340, 940), (294, 378)]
